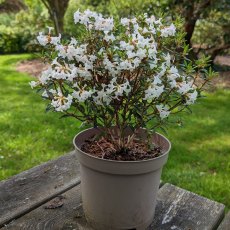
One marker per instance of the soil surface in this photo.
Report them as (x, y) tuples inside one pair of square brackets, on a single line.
[(222, 60), (32, 67), (103, 148)]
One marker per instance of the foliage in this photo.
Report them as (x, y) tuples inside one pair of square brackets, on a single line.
[(122, 74), (213, 32), (11, 41), (16, 30)]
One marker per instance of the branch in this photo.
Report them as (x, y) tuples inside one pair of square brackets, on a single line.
[(219, 48), (47, 6)]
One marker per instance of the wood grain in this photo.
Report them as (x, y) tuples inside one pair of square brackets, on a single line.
[(28, 190), (69, 216), (178, 209), (225, 224)]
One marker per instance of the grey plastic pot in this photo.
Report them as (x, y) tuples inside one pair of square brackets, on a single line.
[(119, 194)]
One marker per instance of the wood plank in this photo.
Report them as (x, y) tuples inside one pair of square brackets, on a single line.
[(225, 224), (177, 209), (28, 190), (69, 216)]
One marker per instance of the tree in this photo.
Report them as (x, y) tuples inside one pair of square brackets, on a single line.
[(197, 15), (57, 9), (191, 11)]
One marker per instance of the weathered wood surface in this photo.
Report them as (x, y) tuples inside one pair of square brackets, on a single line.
[(225, 225), (69, 216), (177, 209), (28, 190)]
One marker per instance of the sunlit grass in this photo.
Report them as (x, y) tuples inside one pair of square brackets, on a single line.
[(28, 135), (199, 160), (200, 157)]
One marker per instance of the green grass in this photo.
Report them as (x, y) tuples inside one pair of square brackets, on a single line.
[(28, 135), (199, 160), (200, 156)]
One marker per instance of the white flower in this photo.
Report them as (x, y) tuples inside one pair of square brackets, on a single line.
[(50, 29), (45, 39), (172, 76), (82, 95), (157, 80), (61, 103), (125, 21), (158, 22), (153, 91), (120, 89), (136, 62), (82, 18), (150, 20), (152, 29), (184, 87), (46, 75), (152, 53), (47, 92), (125, 65), (109, 37), (173, 71), (92, 58), (77, 16), (123, 45), (145, 30), (168, 31), (55, 40), (191, 97), (163, 70), (102, 97), (33, 84), (167, 58), (42, 39), (73, 42), (104, 24), (163, 110), (133, 20), (141, 53), (130, 54)]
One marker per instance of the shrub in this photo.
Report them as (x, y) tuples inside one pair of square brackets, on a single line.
[(17, 30)]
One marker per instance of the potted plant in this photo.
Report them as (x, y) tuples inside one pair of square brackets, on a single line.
[(125, 78)]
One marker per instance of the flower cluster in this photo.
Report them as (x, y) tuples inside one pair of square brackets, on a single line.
[(129, 72)]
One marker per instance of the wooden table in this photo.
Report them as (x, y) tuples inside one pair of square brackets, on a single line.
[(48, 197)]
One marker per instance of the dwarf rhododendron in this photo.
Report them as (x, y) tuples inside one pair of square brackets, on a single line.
[(133, 72)]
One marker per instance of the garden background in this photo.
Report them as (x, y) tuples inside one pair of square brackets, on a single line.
[(199, 160)]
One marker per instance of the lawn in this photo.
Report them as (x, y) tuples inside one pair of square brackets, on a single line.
[(199, 160), (28, 135)]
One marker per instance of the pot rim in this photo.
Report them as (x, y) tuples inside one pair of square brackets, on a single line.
[(117, 161)]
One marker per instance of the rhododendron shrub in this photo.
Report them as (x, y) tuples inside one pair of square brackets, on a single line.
[(128, 73)]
